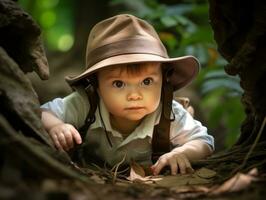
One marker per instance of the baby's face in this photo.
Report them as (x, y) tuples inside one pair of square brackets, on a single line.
[(131, 96)]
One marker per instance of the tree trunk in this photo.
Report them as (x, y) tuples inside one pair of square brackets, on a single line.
[(239, 30)]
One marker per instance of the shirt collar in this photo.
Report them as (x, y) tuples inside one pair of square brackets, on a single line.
[(143, 130)]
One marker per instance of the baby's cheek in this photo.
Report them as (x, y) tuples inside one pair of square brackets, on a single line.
[(153, 102), (116, 108), (111, 102)]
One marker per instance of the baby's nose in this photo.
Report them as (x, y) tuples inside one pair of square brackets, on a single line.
[(134, 95)]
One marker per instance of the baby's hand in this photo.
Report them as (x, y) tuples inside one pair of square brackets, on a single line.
[(64, 136), (177, 162)]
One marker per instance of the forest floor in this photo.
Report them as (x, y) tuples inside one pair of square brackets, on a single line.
[(202, 184)]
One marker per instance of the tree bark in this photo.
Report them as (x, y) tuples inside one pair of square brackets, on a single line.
[(240, 31)]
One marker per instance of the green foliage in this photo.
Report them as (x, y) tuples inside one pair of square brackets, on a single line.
[(215, 79), (55, 18), (225, 114), (221, 95)]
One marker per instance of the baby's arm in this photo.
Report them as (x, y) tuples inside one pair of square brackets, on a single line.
[(180, 157), (191, 142), (63, 135)]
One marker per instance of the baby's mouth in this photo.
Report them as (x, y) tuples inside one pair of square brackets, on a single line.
[(134, 108)]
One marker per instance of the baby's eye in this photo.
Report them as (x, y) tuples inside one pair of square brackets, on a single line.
[(147, 81), (118, 84)]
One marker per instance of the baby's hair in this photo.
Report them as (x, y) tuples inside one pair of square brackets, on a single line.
[(134, 68), (137, 68)]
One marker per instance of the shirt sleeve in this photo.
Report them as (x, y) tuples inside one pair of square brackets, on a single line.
[(185, 128), (72, 109)]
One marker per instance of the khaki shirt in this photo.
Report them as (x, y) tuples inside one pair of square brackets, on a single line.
[(74, 108)]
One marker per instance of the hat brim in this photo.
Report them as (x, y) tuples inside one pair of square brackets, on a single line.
[(184, 69)]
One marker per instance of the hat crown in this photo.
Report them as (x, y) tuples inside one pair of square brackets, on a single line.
[(122, 34)]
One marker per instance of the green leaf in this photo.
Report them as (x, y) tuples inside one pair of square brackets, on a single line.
[(168, 21), (214, 84)]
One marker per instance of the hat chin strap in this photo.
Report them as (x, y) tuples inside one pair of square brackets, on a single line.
[(161, 132)]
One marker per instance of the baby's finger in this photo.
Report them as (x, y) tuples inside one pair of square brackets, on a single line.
[(161, 163), (189, 168), (76, 136), (62, 141), (56, 142), (68, 137), (181, 163), (174, 166)]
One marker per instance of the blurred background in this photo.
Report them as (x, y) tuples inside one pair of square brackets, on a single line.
[(183, 26)]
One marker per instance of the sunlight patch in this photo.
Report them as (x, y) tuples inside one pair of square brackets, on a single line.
[(65, 42)]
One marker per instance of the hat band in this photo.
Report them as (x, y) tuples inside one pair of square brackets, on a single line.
[(127, 46)]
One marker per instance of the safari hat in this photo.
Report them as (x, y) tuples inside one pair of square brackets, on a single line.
[(125, 39)]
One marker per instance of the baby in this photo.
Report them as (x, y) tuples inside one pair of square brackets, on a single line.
[(128, 74)]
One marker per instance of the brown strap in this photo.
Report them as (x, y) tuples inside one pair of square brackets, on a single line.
[(161, 137), (89, 85), (76, 153), (90, 119)]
